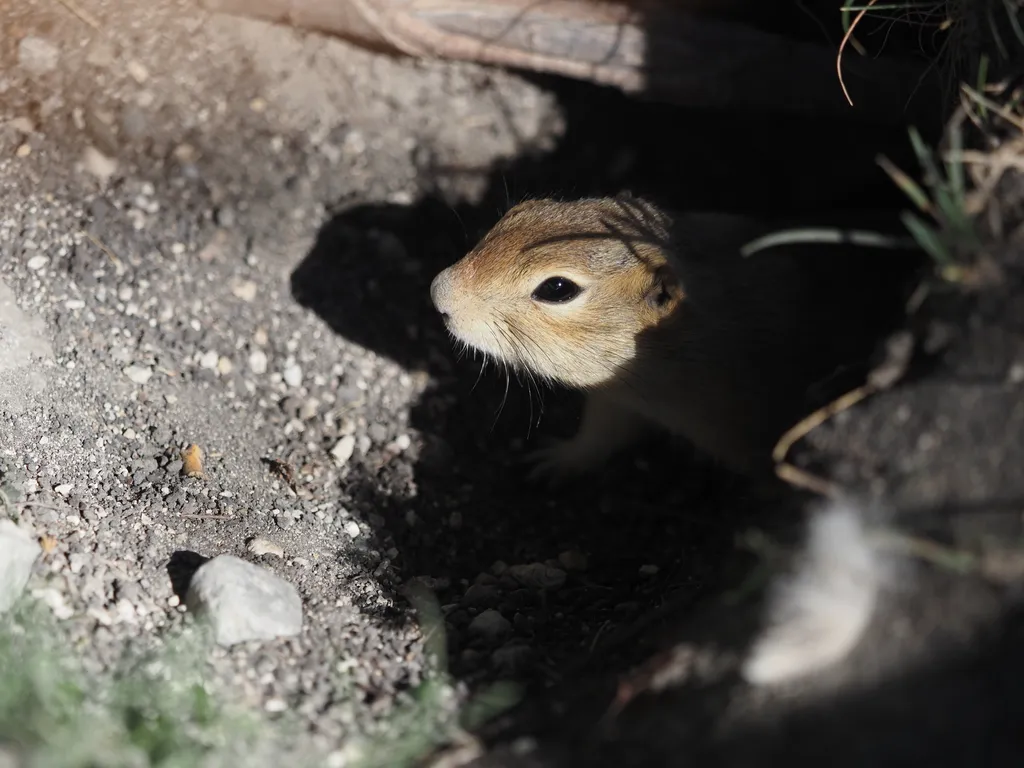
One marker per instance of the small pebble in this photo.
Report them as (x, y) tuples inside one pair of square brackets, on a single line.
[(246, 290), (490, 624), (258, 362), (37, 56), (98, 164), (265, 547), (343, 450), (36, 263), (480, 595), (573, 560), (138, 373), (138, 72), (292, 376)]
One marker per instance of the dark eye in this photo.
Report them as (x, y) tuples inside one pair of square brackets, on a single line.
[(556, 290)]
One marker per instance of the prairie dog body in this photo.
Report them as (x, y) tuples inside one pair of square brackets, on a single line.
[(662, 323)]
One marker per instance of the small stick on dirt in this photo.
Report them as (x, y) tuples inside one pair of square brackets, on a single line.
[(842, 46), (899, 350), (804, 427), (81, 13), (801, 478), (110, 254), (6, 503)]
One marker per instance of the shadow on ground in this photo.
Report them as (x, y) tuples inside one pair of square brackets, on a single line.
[(653, 536)]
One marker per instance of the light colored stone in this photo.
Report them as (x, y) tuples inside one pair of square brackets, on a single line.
[(293, 376), (37, 56), (138, 373), (138, 71), (243, 601), (244, 290), (209, 360), (24, 347), (18, 553), (258, 362), (343, 450), (265, 547), (98, 164)]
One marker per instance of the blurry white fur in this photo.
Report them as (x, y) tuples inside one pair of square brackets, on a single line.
[(817, 614)]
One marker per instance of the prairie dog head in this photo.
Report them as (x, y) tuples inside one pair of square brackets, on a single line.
[(561, 289)]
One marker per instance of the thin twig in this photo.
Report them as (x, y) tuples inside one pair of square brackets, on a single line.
[(801, 478), (803, 427), (110, 254), (81, 13)]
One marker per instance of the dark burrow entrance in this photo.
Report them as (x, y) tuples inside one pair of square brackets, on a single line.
[(652, 538)]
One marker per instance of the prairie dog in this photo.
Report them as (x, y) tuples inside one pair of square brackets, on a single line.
[(661, 322)]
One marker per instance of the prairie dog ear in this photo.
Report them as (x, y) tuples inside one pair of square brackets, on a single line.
[(665, 291)]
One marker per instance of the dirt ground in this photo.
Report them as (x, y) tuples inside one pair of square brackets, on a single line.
[(221, 232)]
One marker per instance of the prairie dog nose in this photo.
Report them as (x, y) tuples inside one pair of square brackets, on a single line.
[(441, 292)]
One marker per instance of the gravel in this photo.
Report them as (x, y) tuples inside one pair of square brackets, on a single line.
[(161, 178)]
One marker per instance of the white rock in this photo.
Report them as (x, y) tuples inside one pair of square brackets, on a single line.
[(24, 350), (63, 489), (138, 373), (243, 601), (293, 376), (37, 56), (37, 262), (138, 71), (352, 529), (18, 553), (258, 362), (245, 290), (343, 450), (209, 360), (98, 164), (490, 624)]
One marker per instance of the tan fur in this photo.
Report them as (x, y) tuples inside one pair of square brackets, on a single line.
[(720, 359)]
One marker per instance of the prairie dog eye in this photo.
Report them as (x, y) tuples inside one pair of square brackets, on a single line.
[(556, 290)]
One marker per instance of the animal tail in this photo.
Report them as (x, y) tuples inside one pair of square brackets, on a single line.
[(818, 613)]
